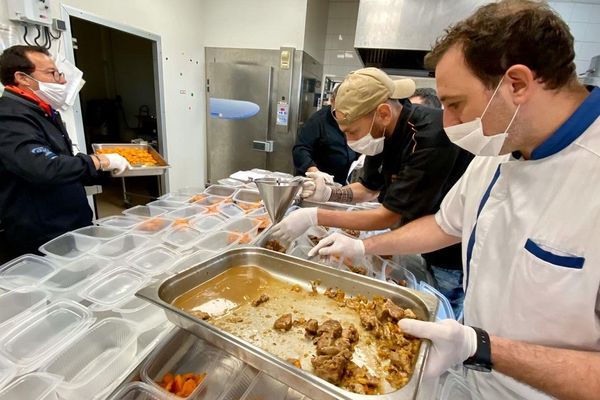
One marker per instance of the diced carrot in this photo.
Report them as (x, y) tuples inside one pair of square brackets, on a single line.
[(167, 378), (178, 383), (187, 389)]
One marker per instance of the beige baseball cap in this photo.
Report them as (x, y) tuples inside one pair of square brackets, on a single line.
[(364, 89)]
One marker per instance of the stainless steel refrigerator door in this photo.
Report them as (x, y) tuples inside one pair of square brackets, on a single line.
[(230, 142)]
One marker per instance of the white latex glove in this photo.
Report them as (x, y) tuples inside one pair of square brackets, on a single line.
[(116, 163), (313, 174), (295, 224), (452, 343), (316, 189), (338, 244)]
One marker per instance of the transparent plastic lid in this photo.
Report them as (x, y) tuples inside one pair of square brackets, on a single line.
[(69, 246), (265, 387), (122, 246), (217, 241), (75, 274), (399, 275), (205, 223), (185, 353), (167, 204), (208, 200), (145, 211), (186, 212), (8, 370), (18, 303), (180, 198), (154, 260), (230, 210), (153, 226), (189, 190), (119, 221), (99, 232), (455, 388), (182, 236), (95, 359), (192, 260), (26, 270), (140, 391), (444, 309), (44, 333), (220, 190), (230, 182), (35, 386), (114, 287), (241, 225)]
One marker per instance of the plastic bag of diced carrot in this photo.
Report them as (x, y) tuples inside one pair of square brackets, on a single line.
[(181, 384)]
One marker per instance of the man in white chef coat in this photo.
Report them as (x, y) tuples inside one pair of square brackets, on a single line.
[(527, 210)]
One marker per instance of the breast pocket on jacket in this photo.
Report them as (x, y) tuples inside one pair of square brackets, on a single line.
[(552, 255)]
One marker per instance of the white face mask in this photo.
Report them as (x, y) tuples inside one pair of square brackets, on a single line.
[(469, 135), (54, 94), (367, 144), (61, 96)]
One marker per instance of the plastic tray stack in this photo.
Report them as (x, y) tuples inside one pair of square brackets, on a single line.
[(72, 328)]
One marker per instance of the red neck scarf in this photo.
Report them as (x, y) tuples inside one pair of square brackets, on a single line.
[(29, 95)]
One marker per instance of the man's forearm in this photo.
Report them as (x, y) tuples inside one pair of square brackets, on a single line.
[(564, 374), (367, 220), (422, 235)]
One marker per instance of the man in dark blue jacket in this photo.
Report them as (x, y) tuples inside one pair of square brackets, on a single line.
[(41, 181), (321, 147)]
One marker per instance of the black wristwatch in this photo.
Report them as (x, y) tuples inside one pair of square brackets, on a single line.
[(482, 359)]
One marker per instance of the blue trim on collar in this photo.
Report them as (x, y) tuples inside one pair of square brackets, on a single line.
[(577, 123), (471, 242)]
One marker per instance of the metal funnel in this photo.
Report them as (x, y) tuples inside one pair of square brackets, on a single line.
[(277, 195)]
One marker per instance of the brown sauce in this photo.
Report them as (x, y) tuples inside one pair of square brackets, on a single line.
[(227, 291)]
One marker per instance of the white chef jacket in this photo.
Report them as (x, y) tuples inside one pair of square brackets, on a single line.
[(531, 244)]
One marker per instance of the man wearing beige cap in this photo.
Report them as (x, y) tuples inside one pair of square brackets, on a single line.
[(410, 165)]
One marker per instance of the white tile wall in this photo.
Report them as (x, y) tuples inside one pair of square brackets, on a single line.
[(340, 56), (583, 17)]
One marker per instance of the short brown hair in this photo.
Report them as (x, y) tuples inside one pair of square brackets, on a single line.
[(14, 59), (500, 35)]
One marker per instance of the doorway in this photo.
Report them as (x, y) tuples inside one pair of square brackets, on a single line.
[(120, 102)]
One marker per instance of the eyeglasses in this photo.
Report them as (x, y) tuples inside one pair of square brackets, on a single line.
[(55, 73)]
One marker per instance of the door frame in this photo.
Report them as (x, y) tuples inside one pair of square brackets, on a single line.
[(69, 11)]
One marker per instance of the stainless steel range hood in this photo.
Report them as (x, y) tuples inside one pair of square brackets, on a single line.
[(395, 35)]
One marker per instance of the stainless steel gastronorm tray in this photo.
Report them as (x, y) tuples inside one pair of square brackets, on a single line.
[(293, 270), (137, 170)]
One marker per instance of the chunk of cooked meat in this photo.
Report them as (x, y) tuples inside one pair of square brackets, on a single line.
[(330, 368), (350, 334), (351, 232), (390, 311), (312, 325), (275, 245), (330, 327), (359, 380), (262, 299), (367, 319), (336, 294), (400, 360), (283, 323), (408, 313), (201, 314), (315, 239)]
